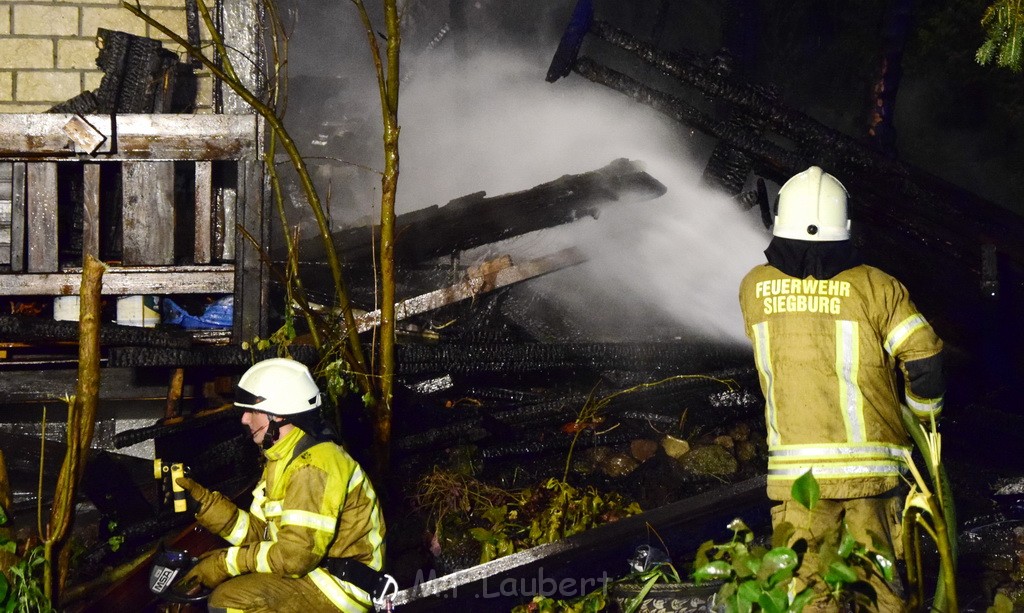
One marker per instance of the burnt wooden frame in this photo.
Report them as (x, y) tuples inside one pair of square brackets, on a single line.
[(147, 146)]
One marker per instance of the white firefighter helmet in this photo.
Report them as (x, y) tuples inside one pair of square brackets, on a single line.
[(812, 207), (278, 386)]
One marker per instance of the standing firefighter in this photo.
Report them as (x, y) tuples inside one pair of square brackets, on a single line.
[(313, 538), (828, 333)]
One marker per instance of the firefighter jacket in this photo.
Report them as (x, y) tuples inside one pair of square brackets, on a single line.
[(826, 353), (313, 501)]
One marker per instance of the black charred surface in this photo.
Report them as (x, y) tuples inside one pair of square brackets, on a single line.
[(933, 236), (36, 330), (475, 219)]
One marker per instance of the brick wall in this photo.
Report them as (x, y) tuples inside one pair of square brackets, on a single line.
[(48, 48)]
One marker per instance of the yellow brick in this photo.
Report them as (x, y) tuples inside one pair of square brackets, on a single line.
[(19, 107), (47, 86), (204, 90), (6, 86), (26, 53), (91, 80), (174, 20), (77, 53), (5, 19), (44, 20), (118, 19)]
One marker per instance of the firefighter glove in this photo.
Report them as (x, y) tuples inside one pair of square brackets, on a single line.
[(199, 498), (210, 571)]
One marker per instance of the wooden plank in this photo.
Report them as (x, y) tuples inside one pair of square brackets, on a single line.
[(6, 180), (119, 281), (133, 137), (251, 274), (91, 210), (489, 276), (148, 213), (44, 385), (18, 171), (204, 213), (41, 224)]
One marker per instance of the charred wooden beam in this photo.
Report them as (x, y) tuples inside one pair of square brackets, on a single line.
[(475, 220), (669, 358), (489, 276), (35, 330)]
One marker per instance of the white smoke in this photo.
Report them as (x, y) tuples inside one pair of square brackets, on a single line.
[(493, 124)]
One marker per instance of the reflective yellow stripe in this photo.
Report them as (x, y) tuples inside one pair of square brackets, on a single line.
[(231, 560), (323, 523), (272, 531), (925, 407), (851, 401), (838, 471), (903, 331), (240, 529), (344, 595), (272, 508), (259, 496), (262, 554), (837, 451), (762, 356)]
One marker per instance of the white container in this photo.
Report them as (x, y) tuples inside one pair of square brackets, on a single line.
[(66, 308), (140, 311)]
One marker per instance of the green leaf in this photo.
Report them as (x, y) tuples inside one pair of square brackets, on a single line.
[(840, 573), (482, 534), (713, 571), (801, 600), (886, 567), (847, 543), (805, 490), (779, 563), (747, 595), (774, 601)]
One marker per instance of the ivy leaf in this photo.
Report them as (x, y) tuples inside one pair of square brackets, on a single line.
[(805, 490)]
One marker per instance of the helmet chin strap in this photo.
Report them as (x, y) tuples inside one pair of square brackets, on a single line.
[(273, 431)]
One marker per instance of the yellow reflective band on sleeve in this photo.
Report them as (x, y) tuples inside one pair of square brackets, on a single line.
[(272, 531), (903, 331), (848, 370), (272, 508), (262, 557), (240, 529), (925, 407), (344, 595), (762, 357), (259, 496), (231, 561), (323, 523)]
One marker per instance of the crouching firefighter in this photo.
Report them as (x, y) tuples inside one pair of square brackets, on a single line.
[(313, 538)]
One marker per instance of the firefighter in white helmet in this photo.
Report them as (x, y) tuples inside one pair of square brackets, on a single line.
[(828, 334), (313, 538)]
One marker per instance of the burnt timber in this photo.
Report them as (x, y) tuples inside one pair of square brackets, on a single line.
[(475, 219), (961, 256)]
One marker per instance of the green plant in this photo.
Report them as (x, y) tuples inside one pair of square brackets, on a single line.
[(757, 578), (1003, 21), (545, 514), (21, 586), (597, 600)]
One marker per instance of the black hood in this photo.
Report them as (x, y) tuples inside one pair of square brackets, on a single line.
[(818, 259)]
